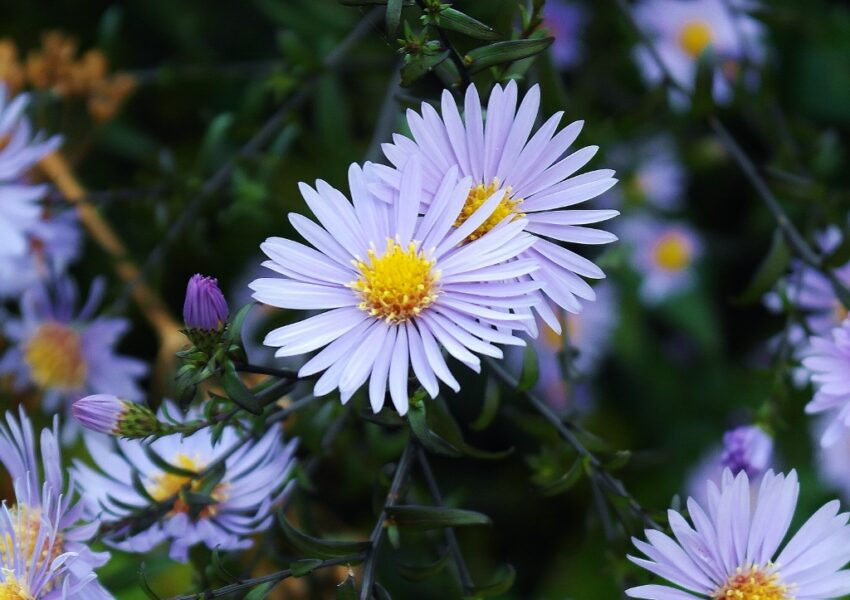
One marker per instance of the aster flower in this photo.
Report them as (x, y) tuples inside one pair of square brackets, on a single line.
[(533, 178), (67, 354), (399, 287), (827, 361), (109, 414), (833, 461), (685, 31), (655, 174), (254, 481), (565, 21), (43, 539), (204, 307), (734, 548), (663, 254), (746, 448)]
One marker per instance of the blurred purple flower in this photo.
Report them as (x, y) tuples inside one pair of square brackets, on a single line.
[(565, 21), (655, 175), (833, 461), (205, 307), (827, 361)]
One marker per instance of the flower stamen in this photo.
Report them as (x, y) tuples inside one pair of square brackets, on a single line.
[(478, 195)]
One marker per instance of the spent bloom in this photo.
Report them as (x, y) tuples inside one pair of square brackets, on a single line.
[(254, 480), (394, 287), (531, 176), (43, 537), (65, 353), (565, 21), (734, 548), (204, 307), (827, 363), (663, 253), (685, 31)]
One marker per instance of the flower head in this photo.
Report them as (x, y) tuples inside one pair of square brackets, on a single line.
[(64, 353), (655, 175), (827, 361), (663, 254), (687, 31), (205, 307), (43, 542), (253, 482), (109, 414), (833, 461), (396, 286), (734, 548), (533, 179), (565, 21)]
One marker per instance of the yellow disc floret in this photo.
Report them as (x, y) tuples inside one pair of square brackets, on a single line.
[(169, 485), (10, 589), (55, 357), (397, 285), (695, 37), (478, 195), (753, 583), (673, 252), (21, 545)]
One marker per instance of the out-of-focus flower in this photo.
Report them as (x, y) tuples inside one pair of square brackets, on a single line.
[(240, 504), (531, 176), (204, 307), (11, 70), (399, 286), (686, 31), (827, 361), (833, 461), (732, 551), (565, 21), (109, 414), (747, 448), (67, 354), (663, 253), (43, 540), (655, 175)]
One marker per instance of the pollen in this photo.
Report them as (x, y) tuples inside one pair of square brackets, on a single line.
[(695, 37), (673, 252), (755, 583), (55, 357), (169, 485), (26, 525), (397, 285), (477, 196), (10, 589)]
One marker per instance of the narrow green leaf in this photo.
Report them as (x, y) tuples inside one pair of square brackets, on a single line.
[(703, 96), (417, 517), (418, 419), (620, 459), (213, 142), (530, 369), (317, 548), (497, 587), (300, 568), (393, 16), (219, 568), (261, 591), (234, 328), (416, 67), (771, 268), (462, 23), (492, 400), (566, 481), (418, 573), (503, 52), (165, 465), (143, 581), (237, 392)]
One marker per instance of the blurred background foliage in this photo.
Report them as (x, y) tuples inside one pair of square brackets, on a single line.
[(207, 78)]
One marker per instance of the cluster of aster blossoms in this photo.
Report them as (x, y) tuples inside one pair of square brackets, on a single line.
[(44, 533), (447, 247)]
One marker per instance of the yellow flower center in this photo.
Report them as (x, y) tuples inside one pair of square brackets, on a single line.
[(169, 485), (754, 583), (695, 37), (12, 590), (55, 357), (26, 524), (839, 312), (478, 195), (398, 285), (673, 252)]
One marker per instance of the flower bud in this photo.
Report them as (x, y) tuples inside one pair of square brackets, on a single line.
[(205, 307), (109, 414)]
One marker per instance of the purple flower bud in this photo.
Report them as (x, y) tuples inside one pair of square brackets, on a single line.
[(205, 307), (747, 449), (109, 414)]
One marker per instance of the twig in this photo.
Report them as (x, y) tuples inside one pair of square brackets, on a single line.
[(370, 562), (263, 370)]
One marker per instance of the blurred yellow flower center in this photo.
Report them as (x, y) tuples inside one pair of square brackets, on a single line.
[(398, 285), (478, 195), (571, 324), (673, 252), (12, 590), (753, 584), (26, 524), (55, 357), (839, 312), (695, 37), (169, 485)]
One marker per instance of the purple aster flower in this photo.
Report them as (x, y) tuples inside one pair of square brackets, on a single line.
[(242, 503), (21, 149), (827, 361), (663, 254), (205, 307), (532, 177), (734, 548), (683, 31), (747, 448), (398, 286), (67, 354), (833, 461), (655, 174), (565, 22), (43, 537)]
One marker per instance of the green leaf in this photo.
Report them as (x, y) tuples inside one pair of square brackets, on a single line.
[(234, 328), (530, 370), (620, 459), (261, 591), (393, 16), (417, 517), (503, 52), (771, 268), (165, 465), (492, 400), (416, 67), (444, 425), (212, 146), (143, 581), (497, 587), (300, 568), (566, 481), (317, 548), (220, 569), (418, 419), (418, 573), (455, 20), (237, 391), (703, 95)]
